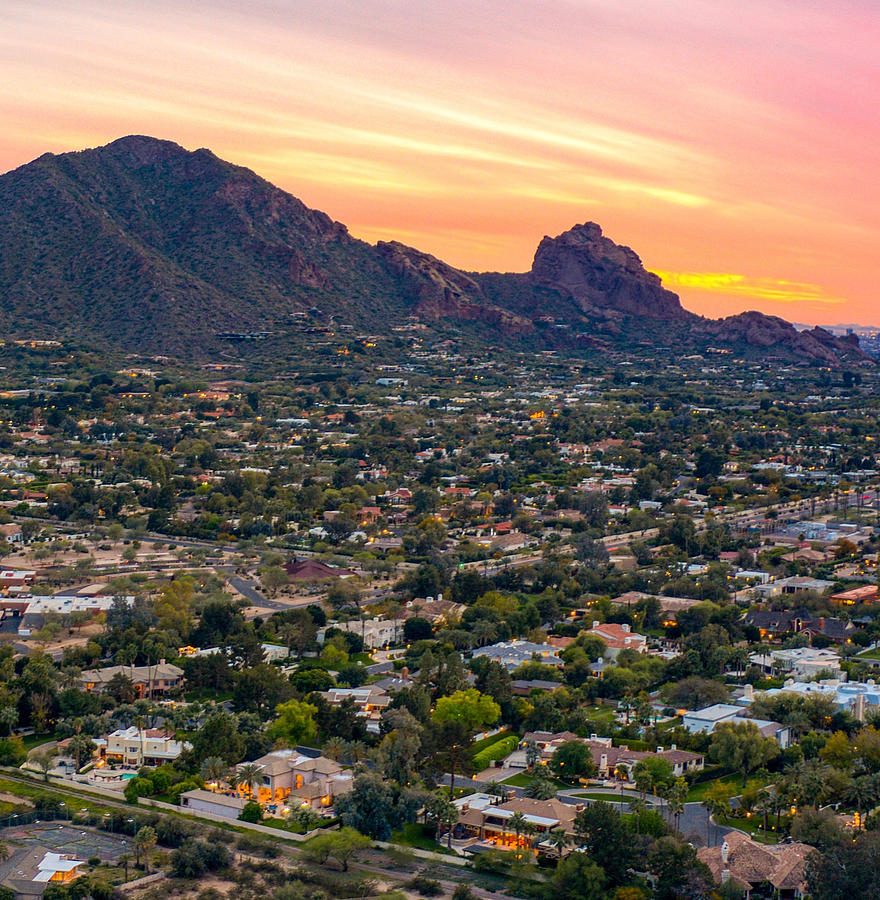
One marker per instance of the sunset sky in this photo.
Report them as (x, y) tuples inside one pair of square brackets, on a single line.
[(734, 144)]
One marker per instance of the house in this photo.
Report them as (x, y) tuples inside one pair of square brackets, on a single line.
[(136, 747), (147, 680), (801, 662), (776, 869), (288, 776), (857, 697), (30, 871), (513, 654), (369, 702), (12, 533), (797, 584), (436, 610), (771, 623), (484, 818), (16, 578), (867, 593), (611, 761), (618, 637), (374, 632), (706, 720), (523, 688)]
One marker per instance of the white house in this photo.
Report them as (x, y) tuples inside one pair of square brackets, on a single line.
[(706, 720), (135, 747)]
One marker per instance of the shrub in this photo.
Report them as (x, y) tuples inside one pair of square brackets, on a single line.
[(252, 812), (498, 750), (425, 886)]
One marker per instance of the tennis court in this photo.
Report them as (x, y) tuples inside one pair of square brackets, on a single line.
[(74, 839)]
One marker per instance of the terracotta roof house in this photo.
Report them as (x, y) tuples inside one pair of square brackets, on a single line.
[(291, 777), (148, 680), (867, 593), (762, 868), (618, 637), (484, 818)]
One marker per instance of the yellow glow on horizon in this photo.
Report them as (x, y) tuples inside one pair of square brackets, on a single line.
[(777, 290)]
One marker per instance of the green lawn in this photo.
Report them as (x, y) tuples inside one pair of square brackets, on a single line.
[(35, 740), (698, 791), (479, 746), (609, 797), (522, 779), (869, 654), (753, 827), (412, 835)]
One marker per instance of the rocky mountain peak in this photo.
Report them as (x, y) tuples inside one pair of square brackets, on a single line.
[(599, 275)]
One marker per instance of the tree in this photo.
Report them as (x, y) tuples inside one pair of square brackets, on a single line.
[(541, 788), (214, 769), (79, 746), (676, 794), (579, 878), (172, 607), (295, 723), (251, 812), (444, 812), (369, 807), (680, 875), (694, 693), (398, 752), (450, 747), (342, 845), (249, 775), (559, 839), (468, 707), (845, 870), (219, 736), (45, 760), (741, 747), (652, 773), (516, 823), (144, 841), (572, 760), (602, 834), (273, 578)]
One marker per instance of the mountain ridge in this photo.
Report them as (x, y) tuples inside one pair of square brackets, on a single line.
[(143, 244)]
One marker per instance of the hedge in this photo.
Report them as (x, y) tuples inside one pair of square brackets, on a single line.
[(498, 750)]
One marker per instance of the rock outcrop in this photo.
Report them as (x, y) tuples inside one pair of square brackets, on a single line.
[(602, 277), (439, 291)]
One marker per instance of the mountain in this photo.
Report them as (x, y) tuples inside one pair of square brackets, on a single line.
[(143, 245)]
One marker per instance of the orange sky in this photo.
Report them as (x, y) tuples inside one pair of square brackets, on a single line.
[(732, 143)]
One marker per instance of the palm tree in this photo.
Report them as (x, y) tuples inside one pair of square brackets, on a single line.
[(139, 723), (248, 775), (144, 841), (533, 754), (125, 859), (518, 823), (213, 770), (559, 840), (677, 792), (765, 806), (713, 807), (861, 793), (80, 745), (333, 749)]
